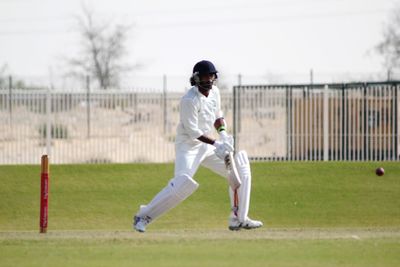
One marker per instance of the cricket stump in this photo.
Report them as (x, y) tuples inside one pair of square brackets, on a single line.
[(44, 194)]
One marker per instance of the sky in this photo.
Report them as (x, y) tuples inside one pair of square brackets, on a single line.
[(252, 37)]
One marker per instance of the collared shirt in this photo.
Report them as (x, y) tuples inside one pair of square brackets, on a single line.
[(197, 114)]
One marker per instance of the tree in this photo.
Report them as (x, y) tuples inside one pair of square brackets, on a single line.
[(389, 47), (8, 81), (3, 78), (102, 52)]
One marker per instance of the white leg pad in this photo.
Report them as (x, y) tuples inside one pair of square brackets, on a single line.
[(241, 207), (177, 190)]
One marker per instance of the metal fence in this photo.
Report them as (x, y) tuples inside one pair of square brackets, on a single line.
[(355, 121), (292, 122), (95, 127)]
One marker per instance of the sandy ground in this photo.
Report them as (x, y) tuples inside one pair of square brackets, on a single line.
[(124, 128), (259, 234), (118, 136)]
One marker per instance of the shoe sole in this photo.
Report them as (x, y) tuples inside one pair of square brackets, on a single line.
[(249, 228), (235, 228)]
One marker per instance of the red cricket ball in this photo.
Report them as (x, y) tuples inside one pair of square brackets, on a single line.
[(380, 171)]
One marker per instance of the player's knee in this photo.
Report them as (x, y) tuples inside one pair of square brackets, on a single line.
[(243, 163), (183, 186)]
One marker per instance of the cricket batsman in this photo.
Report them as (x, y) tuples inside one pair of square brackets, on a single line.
[(200, 112)]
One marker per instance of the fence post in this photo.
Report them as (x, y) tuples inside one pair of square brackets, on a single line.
[(236, 111), (234, 123), (288, 123), (344, 148), (326, 124), (10, 84), (165, 103), (88, 105), (396, 126), (238, 106), (48, 122)]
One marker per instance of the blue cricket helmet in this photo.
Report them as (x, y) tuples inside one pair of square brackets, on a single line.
[(204, 67), (201, 68)]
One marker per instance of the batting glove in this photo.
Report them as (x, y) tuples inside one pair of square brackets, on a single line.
[(222, 149), (227, 138)]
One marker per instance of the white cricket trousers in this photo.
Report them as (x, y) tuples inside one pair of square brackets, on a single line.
[(188, 159)]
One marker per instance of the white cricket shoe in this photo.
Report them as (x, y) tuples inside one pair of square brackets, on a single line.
[(235, 224), (140, 223)]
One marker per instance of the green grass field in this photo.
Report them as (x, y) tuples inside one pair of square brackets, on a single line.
[(315, 214)]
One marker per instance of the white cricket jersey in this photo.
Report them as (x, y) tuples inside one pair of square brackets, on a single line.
[(197, 114)]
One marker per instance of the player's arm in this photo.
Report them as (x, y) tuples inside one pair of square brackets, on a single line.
[(189, 118), (206, 139), (220, 126)]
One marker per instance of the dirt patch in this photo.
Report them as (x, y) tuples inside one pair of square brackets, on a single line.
[(259, 234)]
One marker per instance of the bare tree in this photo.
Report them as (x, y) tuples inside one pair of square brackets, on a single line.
[(389, 47), (8, 81), (3, 78), (103, 50)]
